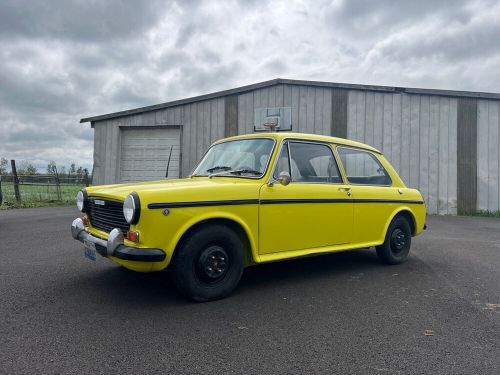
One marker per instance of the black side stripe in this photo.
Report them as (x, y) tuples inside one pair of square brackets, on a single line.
[(275, 201), (312, 200), (203, 203), (387, 201)]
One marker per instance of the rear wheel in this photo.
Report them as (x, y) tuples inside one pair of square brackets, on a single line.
[(209, 263), (396, 246)]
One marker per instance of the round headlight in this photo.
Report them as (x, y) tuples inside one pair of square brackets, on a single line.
[(80, 200), (132, 208)]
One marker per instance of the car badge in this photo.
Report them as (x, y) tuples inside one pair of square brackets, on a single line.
[(99, 202), (166, 211)]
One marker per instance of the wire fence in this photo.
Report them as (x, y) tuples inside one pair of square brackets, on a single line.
[(38, 188)]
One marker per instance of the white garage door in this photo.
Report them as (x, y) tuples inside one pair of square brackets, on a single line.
[(145, 153)]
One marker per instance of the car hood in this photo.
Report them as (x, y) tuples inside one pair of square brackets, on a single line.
[(182, 190)]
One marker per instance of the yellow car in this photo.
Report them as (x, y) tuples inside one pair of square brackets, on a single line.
[(253, 199)]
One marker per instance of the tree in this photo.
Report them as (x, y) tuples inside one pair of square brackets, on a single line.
[(51, 167), (3, 165), (26, 168), (72, 169), (30, 169)]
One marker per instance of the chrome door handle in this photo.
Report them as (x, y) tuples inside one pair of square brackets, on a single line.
[(346, 189)]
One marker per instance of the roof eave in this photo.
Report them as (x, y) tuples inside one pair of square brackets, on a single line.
[(277, 81)]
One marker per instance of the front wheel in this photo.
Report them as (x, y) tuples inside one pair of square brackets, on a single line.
[(209, 263), (396, 246)]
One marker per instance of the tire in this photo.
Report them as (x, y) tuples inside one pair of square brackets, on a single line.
[(396, 246), (209, 263)]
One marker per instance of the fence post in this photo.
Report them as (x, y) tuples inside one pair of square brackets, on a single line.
[(16, 180), (1, 195), (86, 177), (58, 184)]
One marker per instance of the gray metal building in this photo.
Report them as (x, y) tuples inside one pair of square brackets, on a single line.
[(445, 143)]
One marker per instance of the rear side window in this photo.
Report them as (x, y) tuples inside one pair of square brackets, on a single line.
[(362, 167)]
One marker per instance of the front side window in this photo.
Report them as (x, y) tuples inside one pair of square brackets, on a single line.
[(362, 167), (241, 157), (310, 162)]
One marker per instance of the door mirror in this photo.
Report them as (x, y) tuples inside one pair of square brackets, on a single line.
[(284, 178)]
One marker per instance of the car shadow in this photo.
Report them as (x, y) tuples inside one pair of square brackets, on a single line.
[(309, 269), (120, 285)]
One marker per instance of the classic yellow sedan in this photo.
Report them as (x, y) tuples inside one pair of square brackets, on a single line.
[(253, 199)]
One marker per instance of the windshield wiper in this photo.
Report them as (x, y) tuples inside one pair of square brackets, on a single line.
[(242, 171), (218, 168), (237, 171)]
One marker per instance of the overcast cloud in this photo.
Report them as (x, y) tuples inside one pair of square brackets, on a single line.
[(63, 60)]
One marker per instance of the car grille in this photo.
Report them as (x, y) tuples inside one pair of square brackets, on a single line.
[(107, 215)]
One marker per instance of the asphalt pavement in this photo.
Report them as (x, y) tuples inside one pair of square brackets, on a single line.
[(438, 313)]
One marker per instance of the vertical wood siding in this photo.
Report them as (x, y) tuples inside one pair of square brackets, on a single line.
[(417, 134), (488, 155), (467, 155), (231, 116), (202, 123), (311, 107), (432, 141), (339, 113)]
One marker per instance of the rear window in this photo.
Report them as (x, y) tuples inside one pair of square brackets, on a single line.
[(362, 167)]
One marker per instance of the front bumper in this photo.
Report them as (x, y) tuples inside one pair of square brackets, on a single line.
[(114, 246)]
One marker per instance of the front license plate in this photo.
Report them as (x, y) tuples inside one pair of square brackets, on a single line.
[(89, 250)]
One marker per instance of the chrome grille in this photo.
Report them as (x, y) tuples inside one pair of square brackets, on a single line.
[(107, 215)]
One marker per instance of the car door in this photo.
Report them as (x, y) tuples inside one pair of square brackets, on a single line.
[(374, 197), (315, 210)]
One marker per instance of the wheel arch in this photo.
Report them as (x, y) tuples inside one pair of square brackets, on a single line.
[(407, 214), (239, 227)]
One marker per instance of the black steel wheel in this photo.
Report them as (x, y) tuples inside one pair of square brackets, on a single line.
[(208, 263), (396, 246), (212, 264)]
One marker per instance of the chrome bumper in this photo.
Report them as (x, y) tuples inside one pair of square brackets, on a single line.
[(114, 246)]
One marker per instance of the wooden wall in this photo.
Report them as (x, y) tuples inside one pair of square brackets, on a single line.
[(311, 107), (417, 134), (488, 155), (438, 144), (466, 155), (202, 123)]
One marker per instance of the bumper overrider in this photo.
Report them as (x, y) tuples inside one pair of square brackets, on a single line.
[(114, 246)]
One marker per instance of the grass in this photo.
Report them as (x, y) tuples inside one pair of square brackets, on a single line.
[(38, 195), (483, 213)]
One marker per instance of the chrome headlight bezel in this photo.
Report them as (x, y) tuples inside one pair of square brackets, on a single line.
[(132, 208), (81, 200)]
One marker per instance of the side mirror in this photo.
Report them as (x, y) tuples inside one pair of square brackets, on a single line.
[(284, 178)]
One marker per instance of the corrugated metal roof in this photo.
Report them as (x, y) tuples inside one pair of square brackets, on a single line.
[(281, 81)]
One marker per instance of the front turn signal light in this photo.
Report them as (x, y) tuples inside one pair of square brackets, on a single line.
[(133, 236), (85, 220)]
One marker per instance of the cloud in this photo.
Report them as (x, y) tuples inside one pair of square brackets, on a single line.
[(88, 21), (64, 60)]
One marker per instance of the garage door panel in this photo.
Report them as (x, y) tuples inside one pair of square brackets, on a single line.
[(145, 153)]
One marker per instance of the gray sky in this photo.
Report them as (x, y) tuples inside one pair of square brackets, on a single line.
[(63, 60)]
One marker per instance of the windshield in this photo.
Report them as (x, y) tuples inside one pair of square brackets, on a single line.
[(242, 157)]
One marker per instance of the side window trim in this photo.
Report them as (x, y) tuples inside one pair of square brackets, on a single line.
[(282, 145), (373, 156)]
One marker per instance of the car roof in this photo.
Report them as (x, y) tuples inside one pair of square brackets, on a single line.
[(306, 137)]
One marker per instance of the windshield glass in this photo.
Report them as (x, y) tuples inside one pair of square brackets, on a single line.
[(242, 157)]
